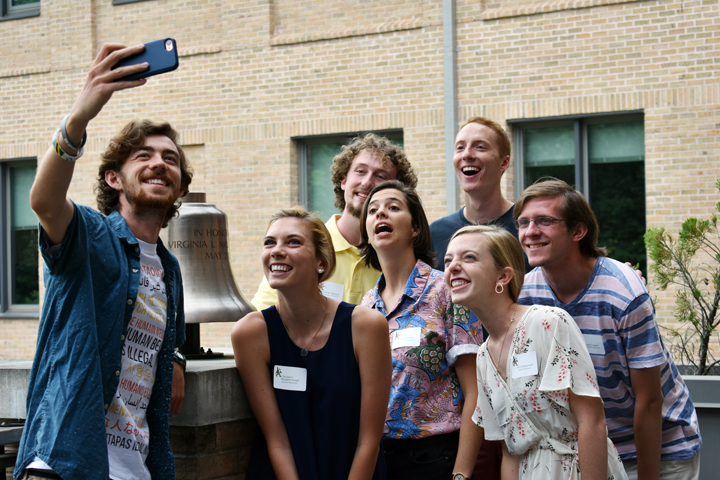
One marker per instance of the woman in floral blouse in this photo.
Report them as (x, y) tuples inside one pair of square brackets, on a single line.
[(538, 391), (427, 433)]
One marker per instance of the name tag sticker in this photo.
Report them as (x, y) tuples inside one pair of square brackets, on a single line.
[(408, 337), (333, 291), (289, 378), (594, 344), (524, 365)]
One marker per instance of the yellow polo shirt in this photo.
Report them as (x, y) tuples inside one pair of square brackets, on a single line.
[(350, 274)]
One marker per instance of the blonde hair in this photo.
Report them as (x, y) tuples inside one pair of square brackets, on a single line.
[(505, 251), (321, 238)]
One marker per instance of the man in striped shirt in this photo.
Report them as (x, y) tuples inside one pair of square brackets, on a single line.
[(650, 416)]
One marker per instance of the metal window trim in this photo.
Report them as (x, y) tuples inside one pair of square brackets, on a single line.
[(580, 124), (22, 11), (7, 308)]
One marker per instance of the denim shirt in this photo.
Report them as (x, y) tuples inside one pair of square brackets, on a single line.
[(91, 282)]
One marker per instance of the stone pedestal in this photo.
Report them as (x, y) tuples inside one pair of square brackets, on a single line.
[(212, 436)]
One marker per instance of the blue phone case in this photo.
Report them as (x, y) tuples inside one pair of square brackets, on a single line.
[(158, 57)]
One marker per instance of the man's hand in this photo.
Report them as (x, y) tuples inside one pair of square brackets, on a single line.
[(178, 390), (638, 272), (48, 195), (100, 86)]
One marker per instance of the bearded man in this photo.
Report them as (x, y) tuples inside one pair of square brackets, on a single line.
[(105, 372)]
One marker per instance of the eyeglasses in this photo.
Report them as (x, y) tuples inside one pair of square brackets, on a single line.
[(540, 222)]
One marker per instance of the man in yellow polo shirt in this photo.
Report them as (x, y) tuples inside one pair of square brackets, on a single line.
[(366, 162)]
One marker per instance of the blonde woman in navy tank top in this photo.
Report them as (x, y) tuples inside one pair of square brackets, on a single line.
[(315, 370)]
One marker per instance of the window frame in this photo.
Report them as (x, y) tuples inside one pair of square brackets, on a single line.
[(8, 12), (8, 309), (580, 127), (304, 142)]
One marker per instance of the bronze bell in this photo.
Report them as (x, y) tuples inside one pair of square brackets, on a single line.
[(198, 238)]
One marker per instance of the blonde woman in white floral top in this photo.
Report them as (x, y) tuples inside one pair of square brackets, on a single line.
[(537, 390)]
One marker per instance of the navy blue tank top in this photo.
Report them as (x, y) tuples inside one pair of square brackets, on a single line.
[(322, 422)]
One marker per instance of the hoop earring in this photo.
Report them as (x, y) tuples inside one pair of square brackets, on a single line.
[(502, 288)]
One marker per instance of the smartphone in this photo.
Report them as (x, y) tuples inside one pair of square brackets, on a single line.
[(161, 55)]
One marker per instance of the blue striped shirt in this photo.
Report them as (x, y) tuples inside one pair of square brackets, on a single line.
[(617, 318)]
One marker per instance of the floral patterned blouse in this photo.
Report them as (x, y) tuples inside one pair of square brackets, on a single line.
[(530, 410), (426, 340)]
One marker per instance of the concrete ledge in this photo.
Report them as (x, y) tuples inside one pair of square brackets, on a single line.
[(14, 379), (213, 392)]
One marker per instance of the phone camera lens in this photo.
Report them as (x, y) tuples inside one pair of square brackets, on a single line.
[(168, 45)]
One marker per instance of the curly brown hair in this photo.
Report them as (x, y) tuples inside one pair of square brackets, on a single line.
[(131, 138), (377, 145)]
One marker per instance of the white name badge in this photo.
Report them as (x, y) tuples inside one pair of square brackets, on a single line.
[(594, 344), (289, 378), (333, 291), (408, 337), (524, 365)]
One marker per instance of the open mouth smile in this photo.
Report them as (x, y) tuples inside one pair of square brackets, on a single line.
[(470, 170), (458, 283), (279, 268), (156, 181), (383, 228)]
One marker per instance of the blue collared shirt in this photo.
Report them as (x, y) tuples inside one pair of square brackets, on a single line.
[(91, 285)]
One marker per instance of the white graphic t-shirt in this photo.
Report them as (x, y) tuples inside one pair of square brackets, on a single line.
[(128, 435)]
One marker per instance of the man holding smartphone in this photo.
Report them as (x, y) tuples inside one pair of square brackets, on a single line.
[(104, 379)]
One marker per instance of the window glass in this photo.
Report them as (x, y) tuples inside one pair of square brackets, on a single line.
[(16, 3), (23, 238), (321, 191), (612, 151), (549, 152), (617, 188)]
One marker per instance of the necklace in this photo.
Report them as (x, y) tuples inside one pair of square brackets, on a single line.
[(507, 330), (304, 350)]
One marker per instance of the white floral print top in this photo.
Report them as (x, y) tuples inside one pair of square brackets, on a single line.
[(530, 411)]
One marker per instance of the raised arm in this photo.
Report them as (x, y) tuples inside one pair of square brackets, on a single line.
[(371, 342), (252, 358), (470, 434), (48, 196), (592, 435)]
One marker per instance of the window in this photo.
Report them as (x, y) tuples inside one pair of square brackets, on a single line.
[(19, 8), (315, 157), (19, 229), (604, 158)]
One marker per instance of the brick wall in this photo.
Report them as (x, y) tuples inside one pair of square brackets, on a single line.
[(254, 74)]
